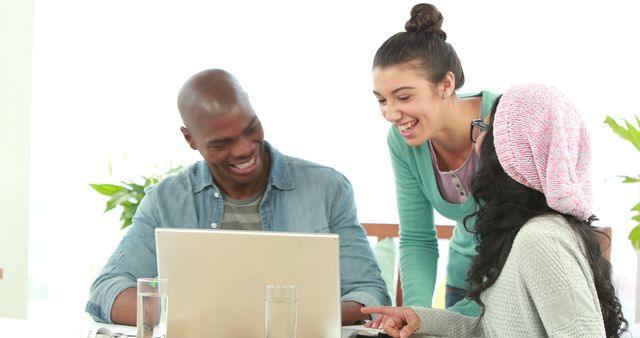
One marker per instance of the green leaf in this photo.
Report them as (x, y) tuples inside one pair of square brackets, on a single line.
[(615, 126), (137, 188), (128, 195), (128, 212), (126, 223), (130, 204), (634, 236), (120, 198), (111, 204), (631, 179), (633, 134), (151, 180), (107, 189), (630, 134), (636, 208)]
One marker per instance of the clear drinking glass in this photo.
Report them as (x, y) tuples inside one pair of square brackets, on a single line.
[(280, 311), (153, 297)]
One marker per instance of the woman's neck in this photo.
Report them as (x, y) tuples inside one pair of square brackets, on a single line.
[(453, 145)]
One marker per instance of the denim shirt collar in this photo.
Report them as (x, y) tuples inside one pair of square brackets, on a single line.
[(279, 176)]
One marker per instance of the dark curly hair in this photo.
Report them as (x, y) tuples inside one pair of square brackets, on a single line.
[(503, 207)]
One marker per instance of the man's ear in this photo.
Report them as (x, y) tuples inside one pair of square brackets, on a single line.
[(188, 137)]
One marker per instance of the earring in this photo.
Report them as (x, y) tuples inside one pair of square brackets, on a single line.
[(444, 96)]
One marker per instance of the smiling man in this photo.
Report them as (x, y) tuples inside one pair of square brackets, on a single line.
[(242, 183)]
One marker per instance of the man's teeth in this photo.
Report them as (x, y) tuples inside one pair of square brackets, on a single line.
[(407, 126), (245, 165)]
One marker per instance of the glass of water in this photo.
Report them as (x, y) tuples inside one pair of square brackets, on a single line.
[(280, 311), (153, 297)]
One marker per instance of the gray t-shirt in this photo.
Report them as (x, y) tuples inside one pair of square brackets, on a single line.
[(242, 214)]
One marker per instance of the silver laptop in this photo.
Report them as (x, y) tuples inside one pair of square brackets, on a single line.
[(217, 279)]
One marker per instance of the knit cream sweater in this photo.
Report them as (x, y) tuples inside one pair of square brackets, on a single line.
[(545, 289)]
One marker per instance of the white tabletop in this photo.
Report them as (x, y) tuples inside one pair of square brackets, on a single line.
[(43, 329), (24, 328), (131, 330)]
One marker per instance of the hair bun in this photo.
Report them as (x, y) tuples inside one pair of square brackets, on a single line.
[(426, 18)]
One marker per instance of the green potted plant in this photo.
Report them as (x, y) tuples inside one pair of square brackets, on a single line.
[(128, 195), (630, 133)]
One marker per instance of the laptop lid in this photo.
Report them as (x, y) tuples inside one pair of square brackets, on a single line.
[(217, 280)]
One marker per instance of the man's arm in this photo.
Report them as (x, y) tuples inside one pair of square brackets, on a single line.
[(361, 282), (123, 310), (351, 313), (135, 257)]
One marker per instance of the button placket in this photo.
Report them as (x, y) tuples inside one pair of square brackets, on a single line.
[(216, 196)]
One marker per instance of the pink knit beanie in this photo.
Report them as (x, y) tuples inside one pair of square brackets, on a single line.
[(542, 143)]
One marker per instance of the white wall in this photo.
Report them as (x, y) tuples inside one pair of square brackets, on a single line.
[(106, 75), (15, 105)]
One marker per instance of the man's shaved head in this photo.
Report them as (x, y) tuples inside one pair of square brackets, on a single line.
[(210, 92)]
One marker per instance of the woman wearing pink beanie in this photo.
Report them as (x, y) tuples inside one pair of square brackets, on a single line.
[(539, 270)]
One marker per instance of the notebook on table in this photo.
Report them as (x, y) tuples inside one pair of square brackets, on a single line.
[(217, 279)]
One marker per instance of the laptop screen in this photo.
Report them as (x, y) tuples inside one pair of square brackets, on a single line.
[(217, 280)]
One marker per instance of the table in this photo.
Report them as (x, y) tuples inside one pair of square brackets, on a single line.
[(131, 330), (49, 329), (20, 328)]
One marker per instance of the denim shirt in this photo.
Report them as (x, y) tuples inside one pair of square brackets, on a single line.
[(300, 197)]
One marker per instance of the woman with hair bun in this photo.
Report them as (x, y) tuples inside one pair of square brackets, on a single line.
[(539, 271), (416, 75)]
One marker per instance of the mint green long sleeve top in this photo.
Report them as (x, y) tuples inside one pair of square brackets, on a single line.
[(417, 196)]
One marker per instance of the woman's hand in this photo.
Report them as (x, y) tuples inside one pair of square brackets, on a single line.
[(376, 323), (397, 321)]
